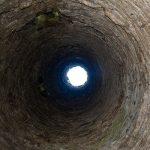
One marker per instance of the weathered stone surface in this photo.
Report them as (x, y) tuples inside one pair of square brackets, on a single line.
[(119, 32)]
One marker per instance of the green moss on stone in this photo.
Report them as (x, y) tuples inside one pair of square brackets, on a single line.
[(114, 130)]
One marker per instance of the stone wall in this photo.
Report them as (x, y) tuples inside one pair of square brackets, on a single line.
[(119, 34)]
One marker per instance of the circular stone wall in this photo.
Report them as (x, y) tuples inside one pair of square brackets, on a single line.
[(115, 35)]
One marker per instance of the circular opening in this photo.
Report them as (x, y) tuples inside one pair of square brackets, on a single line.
[(77, 76), (71, 80)]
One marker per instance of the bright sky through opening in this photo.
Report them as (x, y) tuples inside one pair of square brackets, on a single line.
[(77, 76)]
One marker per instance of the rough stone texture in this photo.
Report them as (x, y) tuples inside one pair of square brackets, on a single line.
[(119, 32)]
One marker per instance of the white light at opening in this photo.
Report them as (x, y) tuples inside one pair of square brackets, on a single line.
[(77, 76)]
